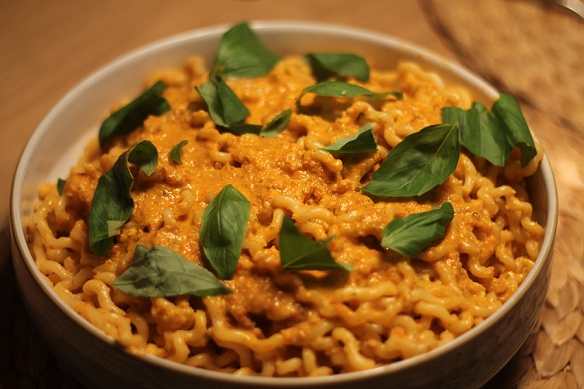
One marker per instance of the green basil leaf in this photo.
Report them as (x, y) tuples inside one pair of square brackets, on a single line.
[(160, 271), (327, 65), (223, 230), (132, 116), (112, 203), (242, 55), (277, 124), (60, 186), (176, 152), (480, 141), (362, 142), (343, 89), (410, 235), (417, 164), (244, 128), (224, 106), (493, 135), (508, 111), (299, 252)]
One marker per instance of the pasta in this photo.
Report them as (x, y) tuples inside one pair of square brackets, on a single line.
[(278, 322)]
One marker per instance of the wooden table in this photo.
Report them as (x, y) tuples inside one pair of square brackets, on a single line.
[(46, 47)]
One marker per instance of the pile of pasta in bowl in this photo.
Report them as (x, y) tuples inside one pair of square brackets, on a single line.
[(292, 215)]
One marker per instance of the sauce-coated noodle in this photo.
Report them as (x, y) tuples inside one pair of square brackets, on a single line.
[(288, 323)]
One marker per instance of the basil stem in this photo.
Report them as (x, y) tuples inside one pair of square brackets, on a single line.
[(362, 142), (493, 135), (242, 55), (159, 271), (176, 152), (112, 203), (343, 89), (277, 124), (327, 65), (417, 164), (223, 230), (410, 235), (132, 116), (299, 252)]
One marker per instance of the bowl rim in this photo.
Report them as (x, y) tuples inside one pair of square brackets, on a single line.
[(260, 26)]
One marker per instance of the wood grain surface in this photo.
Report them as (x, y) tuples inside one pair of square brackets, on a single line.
[(48, 46)]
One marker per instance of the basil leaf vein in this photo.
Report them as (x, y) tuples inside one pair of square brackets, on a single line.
[(112, 203), (241, 55), (417, 164), (362, 142), (132, 116), (343, 89), (299, 252), (159, 271), (176, 152), (410, 235), (223, 230), (327, 65)]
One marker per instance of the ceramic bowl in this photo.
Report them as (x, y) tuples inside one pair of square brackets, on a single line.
[(95, 360)]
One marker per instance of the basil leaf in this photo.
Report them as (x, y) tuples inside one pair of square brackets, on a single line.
[(112, 203), (480, 141), (362, 142), (160, 271), (508, 111), (410, 235), (132, 116), (60, 186), (245, 128), (277, 124), (242, 55), (224, 106), (343, 89), (417, 164), (223, 230), (493, 135), (299, 252), (327, 65), (176, 152)]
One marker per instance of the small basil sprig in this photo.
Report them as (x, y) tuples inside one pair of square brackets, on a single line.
[(60, 186), (362, 142), (132, 116), (112, 203), (299, 252), (493, 135), (342, 89), (228, 112), (225, 108), (159, 271), (176, 152), (410, 235), (327, 65), (223, 230), (242, 55), (417, 164)]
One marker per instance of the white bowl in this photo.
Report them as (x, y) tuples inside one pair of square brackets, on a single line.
[(94, 359)]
